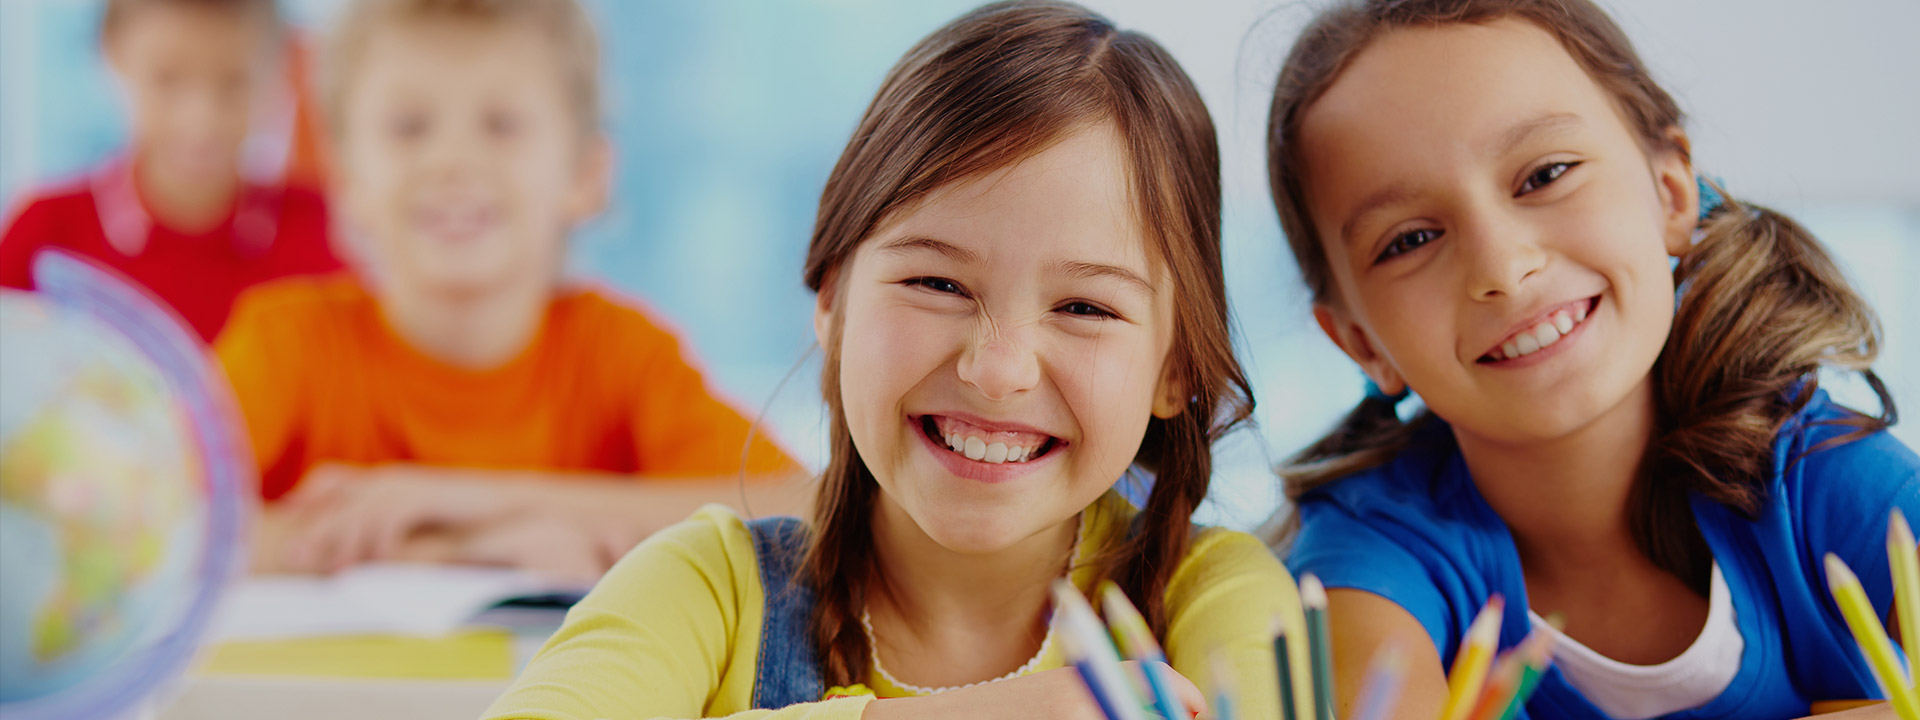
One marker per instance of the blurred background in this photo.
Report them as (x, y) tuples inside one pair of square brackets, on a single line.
[(728, 114)]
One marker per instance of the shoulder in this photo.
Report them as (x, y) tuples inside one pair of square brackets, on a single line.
[(306, 296), (1831, 477), (51, 204), (596, 311), (298, 307), (707, 560)]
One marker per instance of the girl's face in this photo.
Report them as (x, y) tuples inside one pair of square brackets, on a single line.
[(1498, 235), (1003, 345)]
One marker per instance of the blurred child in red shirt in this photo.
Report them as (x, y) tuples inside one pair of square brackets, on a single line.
[(174, 211)]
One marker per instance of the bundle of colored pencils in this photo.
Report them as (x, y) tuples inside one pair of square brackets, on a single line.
[(1483, 685), (1896, 682), (1095, 650)]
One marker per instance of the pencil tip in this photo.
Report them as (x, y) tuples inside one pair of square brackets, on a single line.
[(1312, 593)]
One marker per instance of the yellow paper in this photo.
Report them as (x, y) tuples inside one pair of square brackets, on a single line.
[(468, 655)]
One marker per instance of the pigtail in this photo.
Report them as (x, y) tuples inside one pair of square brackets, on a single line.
[(1370, 435), (839, 563), (1762, 308)]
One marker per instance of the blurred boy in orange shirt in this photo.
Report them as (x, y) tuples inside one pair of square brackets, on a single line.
[(458, 402)]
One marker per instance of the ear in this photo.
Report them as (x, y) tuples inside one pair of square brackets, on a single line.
[(1352, 339), (1679, 191), (593, 181), (1170, 397)]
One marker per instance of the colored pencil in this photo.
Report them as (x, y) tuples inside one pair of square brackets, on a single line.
[(1386, 677), (1224, 684), (1904, 558), (1469, 674), (1537, 652), (1087, 646), (1313, 596), (1283, 661), (1871, 636), (1135, 639)]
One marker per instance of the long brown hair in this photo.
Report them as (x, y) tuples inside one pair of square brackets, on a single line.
[(993, 87), (1762, 306)]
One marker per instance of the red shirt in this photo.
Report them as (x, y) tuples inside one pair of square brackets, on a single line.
[(274, 231)]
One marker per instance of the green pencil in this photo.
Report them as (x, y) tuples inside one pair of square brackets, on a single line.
[(1283, 660), (1539, 654), (1313, 596)]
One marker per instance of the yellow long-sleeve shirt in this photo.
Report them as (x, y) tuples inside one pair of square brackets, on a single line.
[(673, 630)]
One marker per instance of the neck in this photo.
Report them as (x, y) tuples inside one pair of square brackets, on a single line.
[(191, 204), (475, 330), (1568, 501), (930, 602)]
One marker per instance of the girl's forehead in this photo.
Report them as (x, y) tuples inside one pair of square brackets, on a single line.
[(1072, 198), (1421, 106)]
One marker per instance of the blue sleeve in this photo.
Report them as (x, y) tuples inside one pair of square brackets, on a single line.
[(1844, 495), (1345, 552)]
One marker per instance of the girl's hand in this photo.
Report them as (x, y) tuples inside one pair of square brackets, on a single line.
[(1057, 693)]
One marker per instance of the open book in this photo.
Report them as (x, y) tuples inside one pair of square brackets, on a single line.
[(378, 599)]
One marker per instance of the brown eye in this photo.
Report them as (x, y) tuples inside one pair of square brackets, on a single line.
[(1407, 242), (1085, 309), (1544, 176), (939, 285)]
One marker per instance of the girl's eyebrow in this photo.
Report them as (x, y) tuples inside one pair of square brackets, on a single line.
[(1080, 269), (1380, 199), (1520, 132), (911, 243)]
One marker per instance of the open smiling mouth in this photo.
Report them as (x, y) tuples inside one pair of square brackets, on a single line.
[(986, 445), (1543, 334)]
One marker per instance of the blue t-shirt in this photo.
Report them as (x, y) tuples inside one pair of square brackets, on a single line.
[(1417, 532)]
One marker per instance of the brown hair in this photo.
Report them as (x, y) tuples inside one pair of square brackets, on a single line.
[(564, 23), (1762, 306), (266, 12), (993, 87)]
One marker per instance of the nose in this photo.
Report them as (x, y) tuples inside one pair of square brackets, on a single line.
[(1502, 255), (999, 362)]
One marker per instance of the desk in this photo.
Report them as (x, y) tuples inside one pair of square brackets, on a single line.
[(211, 694)]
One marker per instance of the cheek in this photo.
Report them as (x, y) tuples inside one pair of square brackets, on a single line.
[(885, 350), (1108, 384)]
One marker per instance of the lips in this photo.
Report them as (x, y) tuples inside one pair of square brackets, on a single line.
[(987, 442), (1543, 333)]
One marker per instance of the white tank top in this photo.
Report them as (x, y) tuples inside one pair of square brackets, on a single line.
[(1639, 692)]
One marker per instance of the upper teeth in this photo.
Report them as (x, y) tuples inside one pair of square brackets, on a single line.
[(1538, 337), (976, 449)]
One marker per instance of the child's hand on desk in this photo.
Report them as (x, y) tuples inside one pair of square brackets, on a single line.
[(1056, 693), (558, 549), (342, 515)]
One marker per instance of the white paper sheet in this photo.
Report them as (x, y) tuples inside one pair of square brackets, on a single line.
[(380, 599)]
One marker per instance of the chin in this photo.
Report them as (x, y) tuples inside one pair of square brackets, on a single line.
[(979, 532)]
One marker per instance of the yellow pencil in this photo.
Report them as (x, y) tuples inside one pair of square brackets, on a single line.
[(1905, 559), (1470, 665), (1872, 638)]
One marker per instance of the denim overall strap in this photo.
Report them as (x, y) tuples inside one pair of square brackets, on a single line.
[(788, 666)]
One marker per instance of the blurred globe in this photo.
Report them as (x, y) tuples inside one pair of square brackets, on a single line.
[(119, 495)]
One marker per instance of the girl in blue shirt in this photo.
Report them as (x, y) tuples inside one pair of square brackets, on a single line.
[(1486, 199)]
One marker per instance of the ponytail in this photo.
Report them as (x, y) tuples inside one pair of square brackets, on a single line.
[(1762, 308)]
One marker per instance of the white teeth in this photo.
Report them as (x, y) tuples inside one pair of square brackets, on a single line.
[(1546, 335), (976, 449), (1580, 312), (1509, 349), (996, 453), (1562, 323), (1526, 344), (955, 443), (1019, 454)]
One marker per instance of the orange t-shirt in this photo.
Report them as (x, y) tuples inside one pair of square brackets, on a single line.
[(321, 377)]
